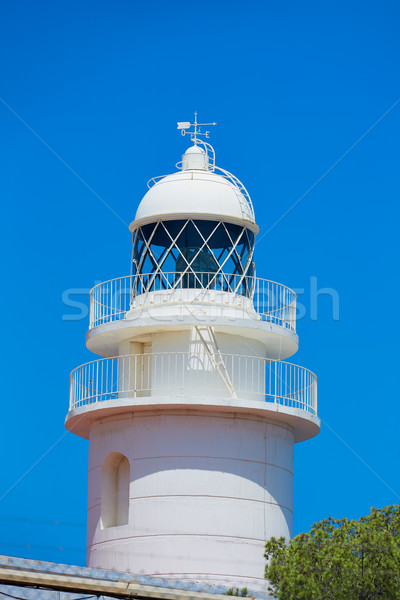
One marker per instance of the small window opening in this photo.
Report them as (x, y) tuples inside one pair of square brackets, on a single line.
[(115, 478)]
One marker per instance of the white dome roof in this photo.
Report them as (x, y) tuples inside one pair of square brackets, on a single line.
[(194, 193), (195, 150)]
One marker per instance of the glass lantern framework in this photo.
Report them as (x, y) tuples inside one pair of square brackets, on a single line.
[(193, 253)]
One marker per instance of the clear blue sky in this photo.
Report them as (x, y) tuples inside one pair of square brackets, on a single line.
[(292, 86)]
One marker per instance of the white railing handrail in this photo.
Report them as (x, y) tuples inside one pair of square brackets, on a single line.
[(192, 374), (267, 360), (282, 285), (112, 299)]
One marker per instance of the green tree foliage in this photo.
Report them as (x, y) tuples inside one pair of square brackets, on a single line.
[(236, 592), (339, 560)]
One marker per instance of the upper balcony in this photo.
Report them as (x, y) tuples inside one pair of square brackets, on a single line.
[(135, 306), (224, 294)]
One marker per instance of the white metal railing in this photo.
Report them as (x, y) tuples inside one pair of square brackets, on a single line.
[(192, 374), (273, 302)]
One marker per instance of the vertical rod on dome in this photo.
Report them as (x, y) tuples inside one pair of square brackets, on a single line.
[(195, 128)]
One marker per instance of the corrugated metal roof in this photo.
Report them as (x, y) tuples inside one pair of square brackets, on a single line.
[(30, 569)]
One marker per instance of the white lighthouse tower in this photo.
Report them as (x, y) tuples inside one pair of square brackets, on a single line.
[(191, 412)]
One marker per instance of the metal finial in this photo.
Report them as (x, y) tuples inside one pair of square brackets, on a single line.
[(184, 125)]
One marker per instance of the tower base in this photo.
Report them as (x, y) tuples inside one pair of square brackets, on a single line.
[(196, 499)]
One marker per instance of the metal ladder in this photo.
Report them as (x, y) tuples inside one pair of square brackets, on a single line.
[(243, 195), (208, 339)]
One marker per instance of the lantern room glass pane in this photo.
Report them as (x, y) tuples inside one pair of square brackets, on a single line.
[(193, 253)]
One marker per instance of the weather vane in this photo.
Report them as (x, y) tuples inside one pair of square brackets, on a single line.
[(197, 131)]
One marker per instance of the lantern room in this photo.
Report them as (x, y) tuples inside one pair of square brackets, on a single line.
[(195, 229)]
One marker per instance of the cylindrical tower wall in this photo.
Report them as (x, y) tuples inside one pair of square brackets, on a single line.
[(205, 492)]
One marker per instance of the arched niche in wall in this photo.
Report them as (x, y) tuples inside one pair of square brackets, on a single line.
[(115, 478)]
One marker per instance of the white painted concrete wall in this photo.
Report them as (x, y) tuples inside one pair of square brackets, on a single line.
[(187, 368), (206, 491), (165, 305)]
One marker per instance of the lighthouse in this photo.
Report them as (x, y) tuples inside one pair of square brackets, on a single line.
[(191, 409)]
